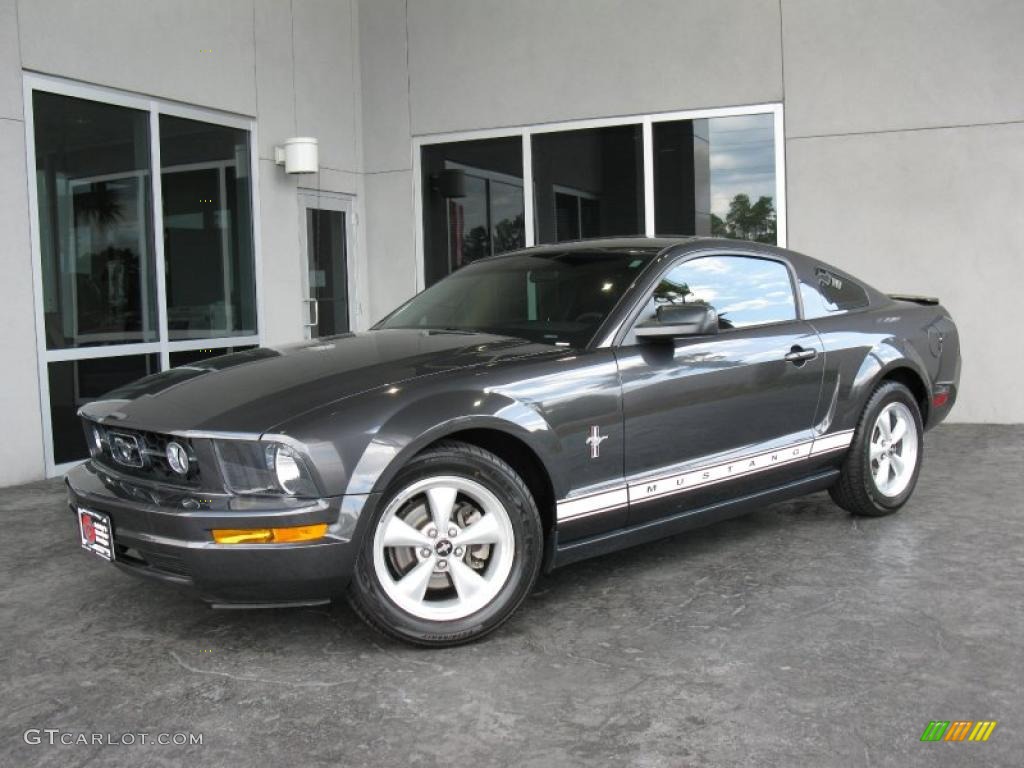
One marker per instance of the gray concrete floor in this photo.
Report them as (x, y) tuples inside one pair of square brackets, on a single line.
[(796, 636)]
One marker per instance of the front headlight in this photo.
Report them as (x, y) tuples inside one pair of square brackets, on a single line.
[(94, 438), (264, 468)]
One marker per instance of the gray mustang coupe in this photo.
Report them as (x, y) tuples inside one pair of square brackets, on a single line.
[(528, 411)]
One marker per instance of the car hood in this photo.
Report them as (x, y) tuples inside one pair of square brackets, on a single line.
[(254, 391)]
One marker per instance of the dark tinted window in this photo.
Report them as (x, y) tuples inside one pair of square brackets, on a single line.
[(588, 183), (830, 293), (744, 290), (556, 298), (73, 383), (95, 230), (208, 247), (472, 202)]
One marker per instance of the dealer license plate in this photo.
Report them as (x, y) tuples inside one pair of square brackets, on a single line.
[(97, 535)]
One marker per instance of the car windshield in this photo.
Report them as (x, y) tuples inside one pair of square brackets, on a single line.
[(552, 297)]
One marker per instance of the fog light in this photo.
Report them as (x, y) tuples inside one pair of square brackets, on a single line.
[(177, 457), (269, 535), (243, 536)]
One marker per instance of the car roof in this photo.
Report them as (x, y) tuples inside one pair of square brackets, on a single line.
[(665, 245), (615, 243)]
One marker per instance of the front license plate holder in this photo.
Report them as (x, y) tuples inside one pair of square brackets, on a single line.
[(96, 533)]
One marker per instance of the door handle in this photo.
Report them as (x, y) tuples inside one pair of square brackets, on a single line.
[(316, 313), (798, 355)]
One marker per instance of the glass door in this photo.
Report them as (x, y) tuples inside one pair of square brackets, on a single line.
[(325, 230)]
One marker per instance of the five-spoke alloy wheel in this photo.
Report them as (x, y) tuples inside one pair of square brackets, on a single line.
[(881, 467), (444, 548), (893, 449), (452, 551)]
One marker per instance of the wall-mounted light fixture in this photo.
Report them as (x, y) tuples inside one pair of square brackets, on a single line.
[(298, 155)]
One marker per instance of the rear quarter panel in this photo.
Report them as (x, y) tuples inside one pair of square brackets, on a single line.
[(862, 347)]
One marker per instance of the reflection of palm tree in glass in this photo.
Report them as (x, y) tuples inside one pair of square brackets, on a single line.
[(475, 245), (99, 205), (670, 292), (746, 221), (508, 236)]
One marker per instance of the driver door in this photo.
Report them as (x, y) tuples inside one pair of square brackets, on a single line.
[(719, 415)]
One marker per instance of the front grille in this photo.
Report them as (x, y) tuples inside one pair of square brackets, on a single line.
[(141, 454)]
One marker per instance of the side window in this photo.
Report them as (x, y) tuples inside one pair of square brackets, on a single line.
[(831, 293), (743, 289)]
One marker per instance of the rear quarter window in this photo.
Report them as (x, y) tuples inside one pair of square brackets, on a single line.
[(830, 293)]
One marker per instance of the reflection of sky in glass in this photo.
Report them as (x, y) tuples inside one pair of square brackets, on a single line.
[(745, 291), (506, 201), (742, 159)]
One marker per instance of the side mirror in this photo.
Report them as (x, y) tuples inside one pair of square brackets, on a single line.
[(672, 321)]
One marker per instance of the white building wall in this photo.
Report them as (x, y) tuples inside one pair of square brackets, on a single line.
[(387, 155)]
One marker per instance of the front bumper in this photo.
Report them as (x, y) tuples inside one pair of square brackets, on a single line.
[(163, 533)]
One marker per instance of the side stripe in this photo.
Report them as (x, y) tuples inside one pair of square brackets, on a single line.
[(832, 442), (710, 474), (592, 504), (717, 473)]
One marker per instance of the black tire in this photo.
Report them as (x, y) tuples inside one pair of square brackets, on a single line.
[(377, 609), (855, 490)]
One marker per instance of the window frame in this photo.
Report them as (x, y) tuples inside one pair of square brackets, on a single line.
[(618, 338), (646, 122), (163, 346), (815, 286)]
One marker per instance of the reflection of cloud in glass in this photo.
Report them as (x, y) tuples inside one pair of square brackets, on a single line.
[(748, 304), (704, 293), (709, 265), (742, 159), (744, 290)]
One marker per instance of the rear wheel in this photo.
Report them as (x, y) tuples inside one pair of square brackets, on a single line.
[(882, 466), (453, 550)]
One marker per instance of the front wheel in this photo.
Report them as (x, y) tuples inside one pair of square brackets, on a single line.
[(453, 550), (881, 468)]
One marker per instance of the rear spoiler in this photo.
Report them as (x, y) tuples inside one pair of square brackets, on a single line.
[(928, 301)]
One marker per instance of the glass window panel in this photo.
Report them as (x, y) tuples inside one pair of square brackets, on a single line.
[(73, 383), (742, 160), (472, 202), (682, 178), (195, 355), (506, 217), (716, 177), (208, 247), (95, 226), (588, 183)]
